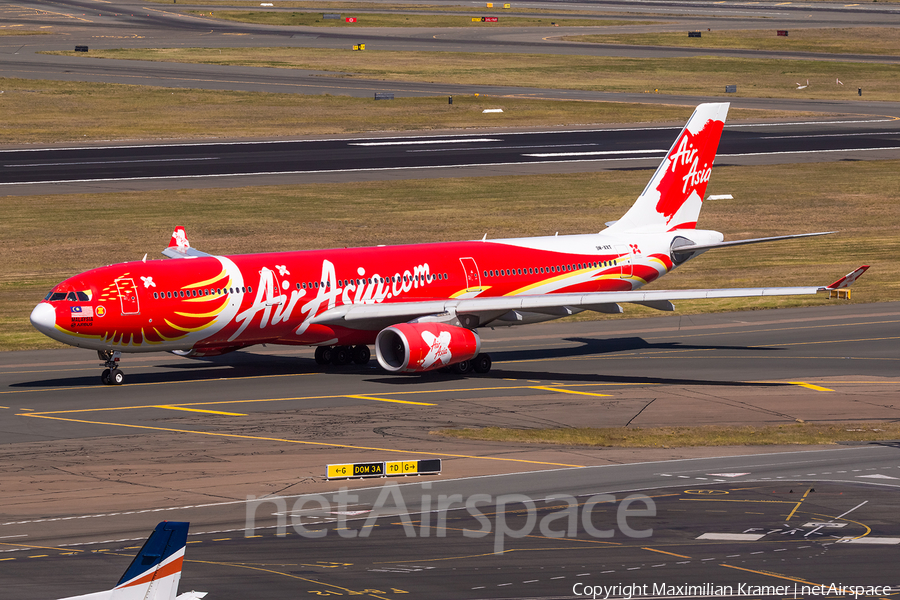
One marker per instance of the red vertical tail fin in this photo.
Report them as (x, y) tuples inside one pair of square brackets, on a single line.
[(674, 196)]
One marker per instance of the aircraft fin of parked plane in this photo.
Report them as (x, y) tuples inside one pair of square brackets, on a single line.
[(155, 571), (180, 247)]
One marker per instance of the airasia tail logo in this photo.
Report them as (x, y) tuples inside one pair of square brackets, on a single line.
[(690, 165), (438, 348)]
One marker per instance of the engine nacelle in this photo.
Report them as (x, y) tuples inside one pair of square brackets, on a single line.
[(419, 347)]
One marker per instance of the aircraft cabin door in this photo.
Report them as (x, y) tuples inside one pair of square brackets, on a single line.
[(625, 261), (473, 279), (128, 296)]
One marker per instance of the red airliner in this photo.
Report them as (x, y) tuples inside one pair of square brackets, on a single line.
[(420, 305)]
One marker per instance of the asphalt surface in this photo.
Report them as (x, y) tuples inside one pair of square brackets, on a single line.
[(310, 156), (122, 166), (811, 519)]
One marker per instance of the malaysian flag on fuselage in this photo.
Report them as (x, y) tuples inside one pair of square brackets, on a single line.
[(82, 311)]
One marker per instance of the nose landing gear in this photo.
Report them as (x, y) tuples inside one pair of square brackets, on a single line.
[(111, 375)]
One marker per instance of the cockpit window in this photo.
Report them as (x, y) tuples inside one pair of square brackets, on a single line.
[(54, 296)]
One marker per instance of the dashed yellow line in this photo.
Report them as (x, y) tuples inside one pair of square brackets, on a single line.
[(330, 396), (284, 440), (771, 574), (810, 386), (564, 391), (200, 410), (664, 552), (390, 400), (798, 504)]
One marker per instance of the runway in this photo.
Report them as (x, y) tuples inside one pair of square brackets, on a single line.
[(66, 170)]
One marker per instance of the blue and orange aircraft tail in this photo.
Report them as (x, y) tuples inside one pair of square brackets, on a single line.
[(155, 571)]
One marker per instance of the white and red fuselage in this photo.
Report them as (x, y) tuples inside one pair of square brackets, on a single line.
[(222, 302), (419, 304)]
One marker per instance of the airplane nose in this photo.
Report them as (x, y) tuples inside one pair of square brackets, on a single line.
[(43, 317)]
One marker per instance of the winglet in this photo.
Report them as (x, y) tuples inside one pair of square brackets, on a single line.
[(180, 247), (848, 279)]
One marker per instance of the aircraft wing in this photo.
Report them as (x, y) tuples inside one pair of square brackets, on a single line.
[(491, 308)]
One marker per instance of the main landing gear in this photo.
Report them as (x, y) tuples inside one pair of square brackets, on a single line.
[(111, 375), (481, 364), (343, 355)]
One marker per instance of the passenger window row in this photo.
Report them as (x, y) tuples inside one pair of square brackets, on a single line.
[(203, 292), (547, 270), (305, 285), (370, 280)]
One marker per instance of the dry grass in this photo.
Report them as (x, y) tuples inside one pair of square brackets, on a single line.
[(843, 40), (45, 239), (14, 30), (678, 437), (703, 75), (55, 111)]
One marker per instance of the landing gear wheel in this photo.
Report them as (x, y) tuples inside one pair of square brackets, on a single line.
[(111, 374), (324, 354), (343, 355), (482, 363), (461, 368), (361, 354)]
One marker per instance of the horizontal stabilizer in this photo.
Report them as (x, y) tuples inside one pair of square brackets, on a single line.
[(693, 247)]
